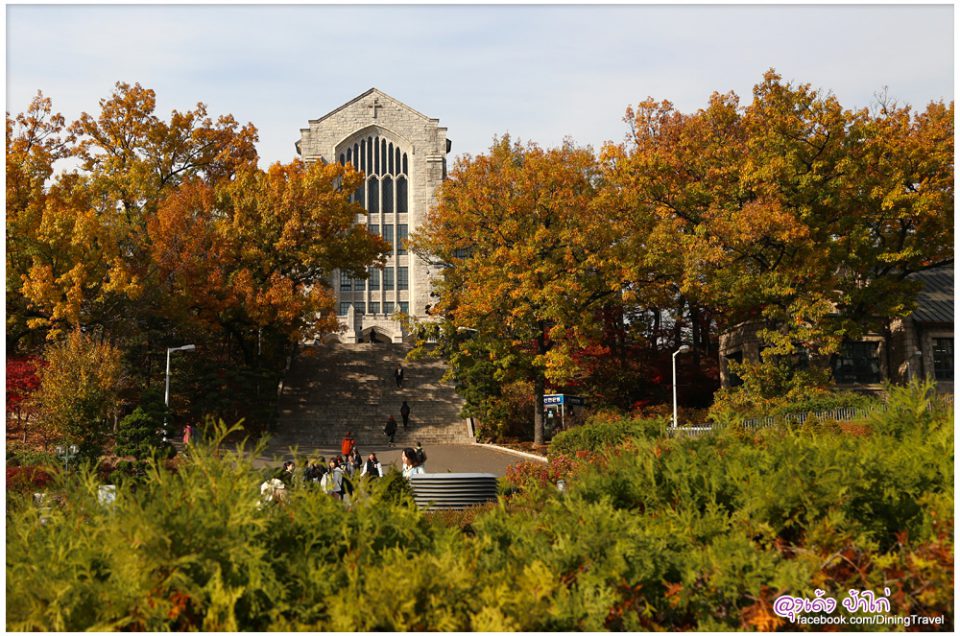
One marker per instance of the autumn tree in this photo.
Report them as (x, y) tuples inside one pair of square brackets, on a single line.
[(36, 140), (792, 213), (258, 251), (167, 232), (524, 260), (901, 211), (88, 252), (23, 380), (77, 397)]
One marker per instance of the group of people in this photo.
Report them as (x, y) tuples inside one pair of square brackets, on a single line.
[(334, 476), (391, 427)]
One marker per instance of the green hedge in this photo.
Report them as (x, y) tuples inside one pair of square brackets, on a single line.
[(650, 534), (828, 401), (599, 435)]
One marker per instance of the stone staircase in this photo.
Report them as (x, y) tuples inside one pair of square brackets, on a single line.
[(335, 388)]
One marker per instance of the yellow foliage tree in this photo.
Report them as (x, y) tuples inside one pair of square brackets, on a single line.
[(792, 212), (525, 257), (79, 389)]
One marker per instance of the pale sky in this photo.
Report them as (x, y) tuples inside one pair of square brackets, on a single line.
[(539, 73)]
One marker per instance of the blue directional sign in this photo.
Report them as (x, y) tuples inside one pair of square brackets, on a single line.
[(560, 398)]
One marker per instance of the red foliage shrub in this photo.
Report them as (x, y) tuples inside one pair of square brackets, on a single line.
[(27, 478), (525, 474), (22, 381)]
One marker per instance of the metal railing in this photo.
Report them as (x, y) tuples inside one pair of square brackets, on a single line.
[(840, 414)]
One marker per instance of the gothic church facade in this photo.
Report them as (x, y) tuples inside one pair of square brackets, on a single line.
[(403, 155)]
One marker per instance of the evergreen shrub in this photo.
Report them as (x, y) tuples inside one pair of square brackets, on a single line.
[(596, 435), (651, 534), (138, 435)]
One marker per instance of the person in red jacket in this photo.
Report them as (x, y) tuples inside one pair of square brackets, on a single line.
[(346, 446)]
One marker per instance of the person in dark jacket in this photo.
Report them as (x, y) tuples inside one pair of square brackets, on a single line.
[(390, 429), (398, 375), (286, 473), (372, 467), (405, 414)]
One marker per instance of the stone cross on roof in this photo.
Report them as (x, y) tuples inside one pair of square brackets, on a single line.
[(374, 106)]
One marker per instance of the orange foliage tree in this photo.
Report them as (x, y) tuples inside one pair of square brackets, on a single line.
[(36, 139), (257, 251), (792, 212), (525, 259), (166, 229)]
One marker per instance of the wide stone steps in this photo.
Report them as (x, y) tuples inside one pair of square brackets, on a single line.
[(335, 388)]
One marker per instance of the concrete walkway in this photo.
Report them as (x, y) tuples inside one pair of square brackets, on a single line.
[(442, 458)]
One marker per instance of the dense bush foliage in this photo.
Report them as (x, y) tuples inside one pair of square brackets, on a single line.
[(595, 436), (506, 412), (737, 404), (137, 435), (653, 534), (827, 401)]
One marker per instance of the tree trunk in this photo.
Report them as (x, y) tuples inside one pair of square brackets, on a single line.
[(656, 330), (539, 383), (887, 354), (695, 325), (538, 389)]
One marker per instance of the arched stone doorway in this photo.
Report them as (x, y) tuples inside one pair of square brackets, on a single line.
[(375, 335)]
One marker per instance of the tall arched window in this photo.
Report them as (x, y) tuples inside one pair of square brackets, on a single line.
[(385, 167), (383, 195), (387, 195)]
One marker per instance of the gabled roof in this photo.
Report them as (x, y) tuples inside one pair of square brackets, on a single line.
[(935, 300), (378, 93)]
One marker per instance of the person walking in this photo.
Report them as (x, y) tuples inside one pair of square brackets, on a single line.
[(372, 467), (346, 446), (287, 473), (410, 464), (421, 455), (398, 375), (405, 414), (187, 434), (332, 481), (390, 429), (314, 471)]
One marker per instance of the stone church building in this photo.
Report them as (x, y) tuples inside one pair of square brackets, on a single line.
[(403, 154)]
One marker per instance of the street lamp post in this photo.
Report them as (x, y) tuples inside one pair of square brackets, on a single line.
[(166, 392), (66, 454), (682, 349)]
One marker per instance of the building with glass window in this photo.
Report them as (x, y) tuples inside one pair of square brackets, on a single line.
[(403, 155), (922, 343)]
